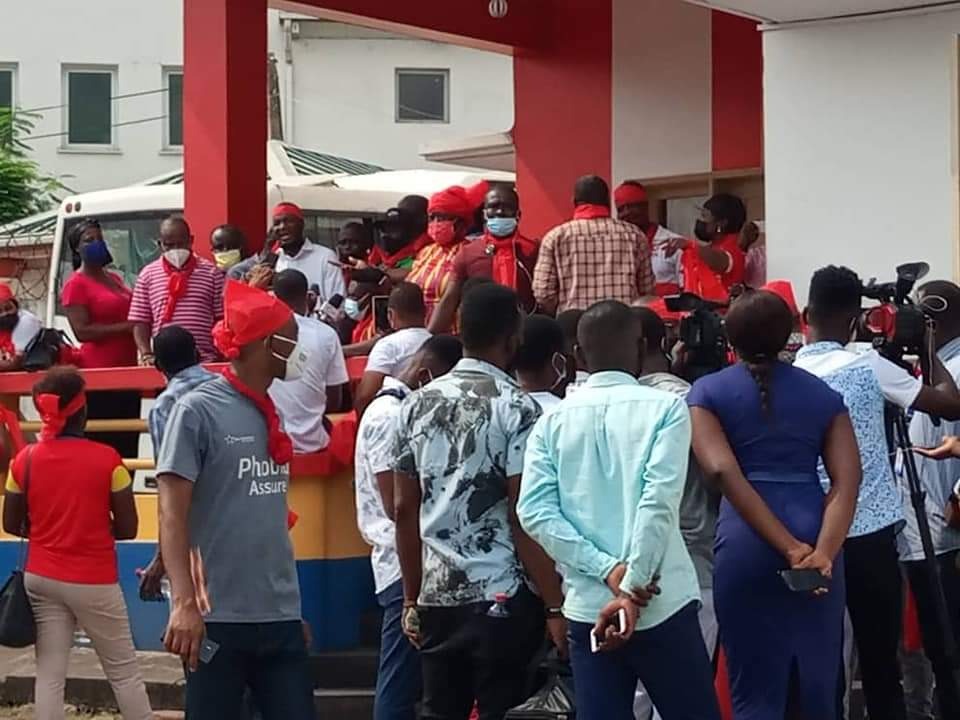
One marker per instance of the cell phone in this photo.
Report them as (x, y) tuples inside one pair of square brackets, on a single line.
[(806, 580), (380, 319), (208, 648), (619, 622)]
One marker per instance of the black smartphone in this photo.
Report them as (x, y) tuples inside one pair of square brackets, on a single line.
[(806, 580), (380, 319)]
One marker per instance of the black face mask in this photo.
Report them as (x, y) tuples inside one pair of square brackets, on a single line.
[(394, 243), (700, 230), (9, 322)]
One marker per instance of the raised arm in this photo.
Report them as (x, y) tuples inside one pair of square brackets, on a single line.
[(720, 466)]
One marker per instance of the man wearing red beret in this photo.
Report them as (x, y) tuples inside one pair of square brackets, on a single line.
[(223, 473)]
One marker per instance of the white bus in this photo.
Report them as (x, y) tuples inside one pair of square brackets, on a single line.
[(131, 216)]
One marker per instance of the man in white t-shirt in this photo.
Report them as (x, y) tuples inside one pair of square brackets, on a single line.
[(542, 368), (318, 263), (17, 328), (633, 207), (406, 314), (398, 679), (302, 403), (867, 381)]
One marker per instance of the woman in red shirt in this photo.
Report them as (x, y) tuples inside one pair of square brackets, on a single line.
[(73, 498), (97, 302)]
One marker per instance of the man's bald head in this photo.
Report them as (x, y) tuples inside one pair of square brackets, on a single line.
[(940, 299), (610, 338)]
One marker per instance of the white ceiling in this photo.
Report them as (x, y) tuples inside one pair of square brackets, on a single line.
[(785, 11)]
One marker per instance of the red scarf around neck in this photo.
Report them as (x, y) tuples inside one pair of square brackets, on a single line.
[(176, 285), (279, 444), (7, 348), (506, 254), (378, 256), (588, 211)]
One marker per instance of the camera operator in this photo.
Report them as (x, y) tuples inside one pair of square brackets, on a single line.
[(941, 301), (867, 380)]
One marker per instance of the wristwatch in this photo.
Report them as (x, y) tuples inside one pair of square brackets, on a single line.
[(553, 612)]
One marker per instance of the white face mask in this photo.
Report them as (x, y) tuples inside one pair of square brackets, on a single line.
[(296, 361), (177, 257), (352, 309)]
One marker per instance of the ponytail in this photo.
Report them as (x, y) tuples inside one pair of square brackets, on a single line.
[(761, 369)]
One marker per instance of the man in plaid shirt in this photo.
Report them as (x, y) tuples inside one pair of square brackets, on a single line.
[(592, 257)]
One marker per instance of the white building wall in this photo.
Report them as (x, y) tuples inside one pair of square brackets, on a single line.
[(344, 99), (139, 37), (861, 143), (661, 89)]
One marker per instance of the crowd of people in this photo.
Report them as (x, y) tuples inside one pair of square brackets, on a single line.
[(533, 464)]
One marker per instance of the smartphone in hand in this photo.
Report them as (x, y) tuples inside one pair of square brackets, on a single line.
[(806, 580), (619, 622)]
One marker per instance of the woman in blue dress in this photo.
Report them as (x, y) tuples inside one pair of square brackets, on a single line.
[(759, 428)]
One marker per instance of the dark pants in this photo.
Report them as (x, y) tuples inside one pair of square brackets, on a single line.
[(467, 655), (933, 634), (670, 659), (875, 603), (116, 405), (398, 679), (269, 658)]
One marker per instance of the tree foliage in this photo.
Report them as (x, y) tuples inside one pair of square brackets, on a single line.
[(24, 188)]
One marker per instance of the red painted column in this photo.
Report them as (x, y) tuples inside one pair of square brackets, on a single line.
[(737, 93), (564, 110), (225, 116)]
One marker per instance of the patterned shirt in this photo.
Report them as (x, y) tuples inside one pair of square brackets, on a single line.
[(936, 476), (584, 261), (866, 381), (177, 386), (462, 436), (432, 270), (197, 311)]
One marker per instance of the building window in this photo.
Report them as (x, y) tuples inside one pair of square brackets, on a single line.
[(7, 80), (89, 108), (423, 96), (173, 108)]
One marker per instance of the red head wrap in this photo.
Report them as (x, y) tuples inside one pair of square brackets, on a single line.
[(6, 293), (457, 201), (249, 314), (52, 417), (629, 194), (287, 208), (783, 288)]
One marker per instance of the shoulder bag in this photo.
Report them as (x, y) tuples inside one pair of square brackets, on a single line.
[(17, 626)]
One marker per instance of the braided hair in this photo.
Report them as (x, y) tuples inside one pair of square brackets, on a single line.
[(74, 236), (758, 325)]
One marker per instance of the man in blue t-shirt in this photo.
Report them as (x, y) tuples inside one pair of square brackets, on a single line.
[(867, 381)]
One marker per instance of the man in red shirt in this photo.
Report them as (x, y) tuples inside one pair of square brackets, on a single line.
[(714, 262), (501, 254)]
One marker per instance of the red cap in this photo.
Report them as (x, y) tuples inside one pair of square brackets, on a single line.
[(287, 208), (784, 289), (6, 293), (629, 193), (249, 315)]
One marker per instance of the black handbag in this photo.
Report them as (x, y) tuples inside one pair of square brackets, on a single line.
[(555, 700), (43, 352), (17, 626)]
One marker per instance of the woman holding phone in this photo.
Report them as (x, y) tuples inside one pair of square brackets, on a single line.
[(759, 428)]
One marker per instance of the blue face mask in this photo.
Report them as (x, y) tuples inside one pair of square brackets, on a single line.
[(502, 227), (352, 309), (96, 253)]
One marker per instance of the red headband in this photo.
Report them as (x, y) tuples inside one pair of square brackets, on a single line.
[(629, 194), (249, 314), (52, 417), (287, 208)]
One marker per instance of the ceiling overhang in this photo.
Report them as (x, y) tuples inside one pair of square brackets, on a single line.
[(787, 12)]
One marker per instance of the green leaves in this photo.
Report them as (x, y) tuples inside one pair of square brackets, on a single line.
[(24, 188)]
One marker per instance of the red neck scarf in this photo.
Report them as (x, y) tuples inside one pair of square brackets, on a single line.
[(506, 254), (590, 212), (378, 256), (6, 343), (52, 418), (176, 285), (279, 444), (651, 232)]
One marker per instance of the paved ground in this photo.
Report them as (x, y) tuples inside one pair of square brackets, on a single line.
[(25, 712)]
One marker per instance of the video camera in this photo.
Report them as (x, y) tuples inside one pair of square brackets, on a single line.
[(896, 327), (701, 333)]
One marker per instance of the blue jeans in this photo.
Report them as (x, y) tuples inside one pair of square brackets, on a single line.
[(269, 658), (670, 659), (398, 678)]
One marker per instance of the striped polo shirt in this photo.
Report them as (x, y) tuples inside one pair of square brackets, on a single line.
[(197, 311)]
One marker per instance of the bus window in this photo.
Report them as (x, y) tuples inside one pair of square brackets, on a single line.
[(324, 229)]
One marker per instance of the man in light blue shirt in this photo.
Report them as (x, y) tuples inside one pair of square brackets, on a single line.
[(603, 476)]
